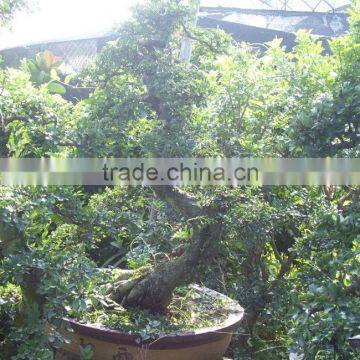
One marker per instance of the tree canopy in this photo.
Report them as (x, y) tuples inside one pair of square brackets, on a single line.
[(8, 8)]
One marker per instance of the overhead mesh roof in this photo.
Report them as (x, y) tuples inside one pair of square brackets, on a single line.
[(252, 21), (287, 5)]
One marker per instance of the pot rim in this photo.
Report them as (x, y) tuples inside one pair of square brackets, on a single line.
[(186, 339)]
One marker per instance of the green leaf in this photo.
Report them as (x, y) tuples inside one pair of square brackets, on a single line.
[(56, 88)]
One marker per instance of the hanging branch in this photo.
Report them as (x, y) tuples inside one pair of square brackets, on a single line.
[(202, 41)]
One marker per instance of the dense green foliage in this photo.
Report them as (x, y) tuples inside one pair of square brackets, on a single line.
[(289, 255), (33, 122)]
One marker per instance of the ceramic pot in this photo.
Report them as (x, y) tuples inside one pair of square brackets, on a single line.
[(106, 344)]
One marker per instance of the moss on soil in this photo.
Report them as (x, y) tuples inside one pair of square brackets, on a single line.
[(191, 309)]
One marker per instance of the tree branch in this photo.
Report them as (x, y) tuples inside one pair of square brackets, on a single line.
[(201, 41), (12, 118), (179, 200), (348, 196)]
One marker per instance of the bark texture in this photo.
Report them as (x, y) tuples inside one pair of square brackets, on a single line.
[(153, 291)]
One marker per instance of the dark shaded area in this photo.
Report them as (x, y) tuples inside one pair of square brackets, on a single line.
[(250, 34)]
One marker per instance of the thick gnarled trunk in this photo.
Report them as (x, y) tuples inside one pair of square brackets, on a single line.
[(153, 291)]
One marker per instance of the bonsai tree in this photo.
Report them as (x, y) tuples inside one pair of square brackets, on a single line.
[(152, 101), (145, 62)]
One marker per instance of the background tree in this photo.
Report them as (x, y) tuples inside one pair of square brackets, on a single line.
[(8, 8)]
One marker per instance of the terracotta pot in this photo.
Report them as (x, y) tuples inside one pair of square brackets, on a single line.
[(202, 344)]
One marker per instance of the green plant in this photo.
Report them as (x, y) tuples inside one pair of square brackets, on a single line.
[(8, 8), (45, 69)]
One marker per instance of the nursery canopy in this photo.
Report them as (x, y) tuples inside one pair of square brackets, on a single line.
[(78, 19), (288, 5), (79, 38)]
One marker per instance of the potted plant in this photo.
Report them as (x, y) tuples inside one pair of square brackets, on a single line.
[(205, 335), (152, 99)]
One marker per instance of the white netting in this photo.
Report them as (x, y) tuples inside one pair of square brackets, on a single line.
[(288, 5)]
